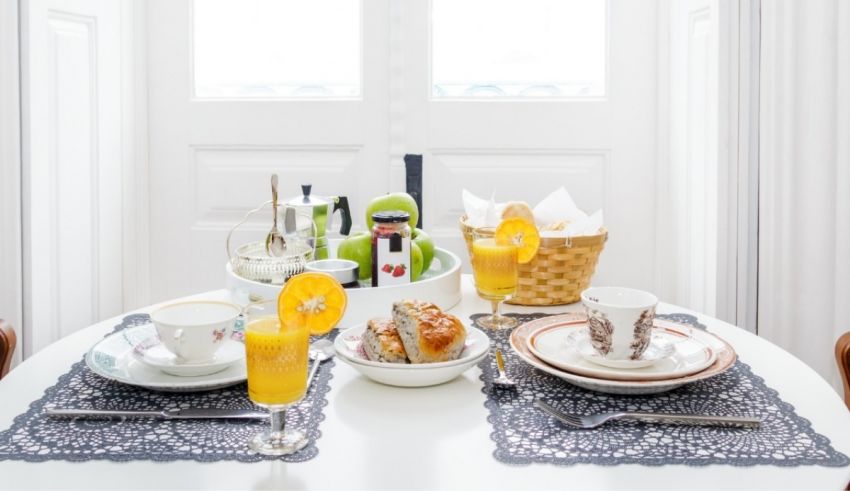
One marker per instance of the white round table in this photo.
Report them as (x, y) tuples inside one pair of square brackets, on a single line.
[(380, 437)]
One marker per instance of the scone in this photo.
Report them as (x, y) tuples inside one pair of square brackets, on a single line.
[(429, 334), (381, 342), (518, 209)]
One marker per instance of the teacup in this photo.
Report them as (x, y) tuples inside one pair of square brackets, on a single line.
[(619, 320), (194, 331)]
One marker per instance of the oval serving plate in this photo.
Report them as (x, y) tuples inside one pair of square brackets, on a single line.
[(689, 355), (725, 358), (347, 345), (439, 285), (113, 358)]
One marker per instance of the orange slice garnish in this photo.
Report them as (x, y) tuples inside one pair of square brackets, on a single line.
[(316, 300), (521, 233)]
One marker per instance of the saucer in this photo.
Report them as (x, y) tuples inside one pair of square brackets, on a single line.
[(153, 353), (658, 349), (691, 354)]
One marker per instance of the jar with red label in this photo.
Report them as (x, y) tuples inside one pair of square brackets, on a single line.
[(390, 248)]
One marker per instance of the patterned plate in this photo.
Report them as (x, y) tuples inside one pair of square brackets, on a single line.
[(113, 358), (726, 357), (556, 346)]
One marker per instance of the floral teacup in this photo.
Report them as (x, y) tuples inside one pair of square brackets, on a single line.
[(619, 321)]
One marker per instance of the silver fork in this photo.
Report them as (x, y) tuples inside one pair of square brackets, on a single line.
[(595, 420)]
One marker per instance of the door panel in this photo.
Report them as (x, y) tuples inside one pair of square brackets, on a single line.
[(602, 149), (72, 166), (211, 159)]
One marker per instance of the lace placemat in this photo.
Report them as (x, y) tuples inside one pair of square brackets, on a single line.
[(525, 435), (34, 437)]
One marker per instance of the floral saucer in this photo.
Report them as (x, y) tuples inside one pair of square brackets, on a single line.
[(153, 353), (658, 349)]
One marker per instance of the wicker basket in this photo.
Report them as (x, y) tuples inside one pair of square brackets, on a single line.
[(559, 272)]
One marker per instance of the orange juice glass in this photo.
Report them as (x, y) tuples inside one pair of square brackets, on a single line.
[(277, 359), (495, 269)]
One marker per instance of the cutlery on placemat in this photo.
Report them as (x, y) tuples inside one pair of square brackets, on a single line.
[(503, 381), (167, 414), (595, 420)]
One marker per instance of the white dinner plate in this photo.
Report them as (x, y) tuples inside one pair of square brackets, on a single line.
[(153, 353), (348, 347), (556, 345), (725, 358), (113, 358)]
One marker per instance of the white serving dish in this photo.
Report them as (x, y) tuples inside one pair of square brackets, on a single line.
[(439, 285), (347, 345)]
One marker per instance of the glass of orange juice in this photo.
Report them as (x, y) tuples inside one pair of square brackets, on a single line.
[(277, 358), (494, 267)]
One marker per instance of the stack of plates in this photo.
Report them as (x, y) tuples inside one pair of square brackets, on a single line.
[(677, 355), (349, 349), (135, 356)]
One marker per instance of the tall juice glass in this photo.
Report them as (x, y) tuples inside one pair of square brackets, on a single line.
[(277, 359), (494, 267)]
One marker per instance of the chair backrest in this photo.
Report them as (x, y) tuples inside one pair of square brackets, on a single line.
[(842, 357), (7, 347)]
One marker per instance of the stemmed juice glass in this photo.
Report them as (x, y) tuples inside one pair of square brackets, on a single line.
[(494, 267), (277, 359)]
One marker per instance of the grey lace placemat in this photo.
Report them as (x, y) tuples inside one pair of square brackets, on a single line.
[(525, 435), (34, 437)]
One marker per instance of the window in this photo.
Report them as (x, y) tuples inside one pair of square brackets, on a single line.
[(518, 48), (277, 48)]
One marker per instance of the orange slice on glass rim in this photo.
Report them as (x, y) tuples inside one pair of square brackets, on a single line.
[(521, 233), (316, 300)]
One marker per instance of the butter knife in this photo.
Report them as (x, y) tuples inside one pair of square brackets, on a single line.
[(167, 414)]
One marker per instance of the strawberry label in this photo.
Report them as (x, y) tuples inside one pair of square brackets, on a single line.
[(393, 254)]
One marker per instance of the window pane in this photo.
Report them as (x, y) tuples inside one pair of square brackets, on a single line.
[(518, 48), (277, 48)]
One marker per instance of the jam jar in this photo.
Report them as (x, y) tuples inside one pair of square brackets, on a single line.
[(390, 248)]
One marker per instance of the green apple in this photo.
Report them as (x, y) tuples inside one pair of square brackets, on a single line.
[(416, 261), (425, 243), (358, 248), (391, 202)]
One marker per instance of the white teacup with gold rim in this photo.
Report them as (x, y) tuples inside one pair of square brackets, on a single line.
[(619, 320), (194, 331)]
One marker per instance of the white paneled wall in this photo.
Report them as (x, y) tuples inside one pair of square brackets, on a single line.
[(11, 296), (72, 160)]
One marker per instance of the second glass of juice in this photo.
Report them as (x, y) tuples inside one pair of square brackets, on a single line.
[(494, 267), (277, 360)]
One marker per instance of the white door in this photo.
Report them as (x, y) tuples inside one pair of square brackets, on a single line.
[(72, 180), (220, 124), (545, 93), (241, 90)]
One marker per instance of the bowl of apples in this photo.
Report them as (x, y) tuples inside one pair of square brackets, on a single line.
[(435, 272)]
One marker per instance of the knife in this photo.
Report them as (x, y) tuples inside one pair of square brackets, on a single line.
[(167, 414)]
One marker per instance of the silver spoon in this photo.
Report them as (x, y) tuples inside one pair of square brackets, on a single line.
[(502, 381), (275, 243), (320, 351)]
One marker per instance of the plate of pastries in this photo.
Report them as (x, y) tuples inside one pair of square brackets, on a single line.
[(417, 345)]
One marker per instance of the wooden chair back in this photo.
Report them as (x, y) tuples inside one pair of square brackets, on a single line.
[(842, 357), (7, 347)]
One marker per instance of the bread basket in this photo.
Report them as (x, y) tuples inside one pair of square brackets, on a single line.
[(559, 272)]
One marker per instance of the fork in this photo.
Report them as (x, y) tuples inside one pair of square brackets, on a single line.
[(596, 420), (502, 381)]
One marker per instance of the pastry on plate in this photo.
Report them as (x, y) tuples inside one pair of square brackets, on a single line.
[(381, 342), (429, 335)]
